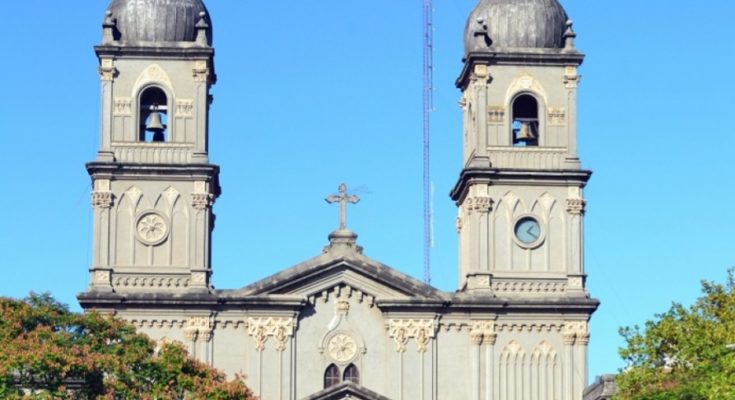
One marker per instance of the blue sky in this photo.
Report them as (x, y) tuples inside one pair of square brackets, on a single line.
[(311, 94)]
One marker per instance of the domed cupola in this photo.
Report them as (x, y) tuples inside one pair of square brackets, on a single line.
[(516, 24), (158, 21)]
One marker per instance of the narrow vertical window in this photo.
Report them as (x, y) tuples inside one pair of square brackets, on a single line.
[(153, 112), (331, 376), (352, 374), (525, 125)]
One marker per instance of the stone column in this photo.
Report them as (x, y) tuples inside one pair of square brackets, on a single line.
[(108, 73), (102, 201), (571, 82)]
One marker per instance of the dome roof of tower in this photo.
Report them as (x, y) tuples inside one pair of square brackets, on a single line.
[(539, 24), (158, 20)]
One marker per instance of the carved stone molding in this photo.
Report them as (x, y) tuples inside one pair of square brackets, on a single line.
[(495, 115), (571, 78), (198, 328), (202, 201), (107, 70), (184, 108), (102, 277), (422, 331), (531, 327), (342, 348), (342, 293), (557, 116), (483, 331), (545, 287), (481, 74), (201, 71), (459, 224), (576, 206), (122, 107), (481, 204), (145, 281), (102, 199), (262, 328), (576, 331), (151, 228)]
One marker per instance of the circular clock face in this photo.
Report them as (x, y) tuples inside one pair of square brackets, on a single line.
[(528, 230)]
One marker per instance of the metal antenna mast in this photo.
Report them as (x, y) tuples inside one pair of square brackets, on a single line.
[(428, 95)]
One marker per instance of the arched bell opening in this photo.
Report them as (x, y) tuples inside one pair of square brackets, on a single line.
[(525, 121), (153, 115)]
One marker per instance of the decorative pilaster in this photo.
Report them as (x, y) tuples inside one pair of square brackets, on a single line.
[(576, 337), (279, 328), (479, 81), (201, 71)]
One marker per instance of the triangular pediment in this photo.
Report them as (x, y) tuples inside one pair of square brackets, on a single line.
[(346, 391), (350, 270)]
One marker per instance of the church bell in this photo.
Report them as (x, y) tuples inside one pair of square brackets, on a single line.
[(527, 133), (156, 126)]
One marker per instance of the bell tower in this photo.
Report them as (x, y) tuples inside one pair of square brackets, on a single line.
[(520, 192), (153, 185)]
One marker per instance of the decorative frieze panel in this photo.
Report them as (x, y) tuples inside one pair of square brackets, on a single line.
[(528, 157), (421, 330), (529, 326), (280, 329), (145, 282), (122, 107), (527, 287), (184, 108), (557, 116), (159, 153), (495, 115)]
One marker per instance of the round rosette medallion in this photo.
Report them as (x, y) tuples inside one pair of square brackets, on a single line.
[(342, 348), (151, 228)]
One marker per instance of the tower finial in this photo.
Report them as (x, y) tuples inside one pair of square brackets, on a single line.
[(108, 28), (569, 36), (202, 27)]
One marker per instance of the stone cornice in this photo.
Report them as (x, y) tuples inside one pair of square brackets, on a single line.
[(517, 57), (204, 172), (494, 176)]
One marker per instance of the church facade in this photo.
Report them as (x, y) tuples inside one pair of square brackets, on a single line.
[(342, 325)]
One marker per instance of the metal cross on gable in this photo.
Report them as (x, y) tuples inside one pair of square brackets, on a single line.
[(343, 199)]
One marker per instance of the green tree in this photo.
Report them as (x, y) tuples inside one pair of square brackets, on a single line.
[(49, 352), (683, 354)]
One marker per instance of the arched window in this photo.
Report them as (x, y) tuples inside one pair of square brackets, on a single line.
[(153, 114), (525, 125), (331, 376), (352, 374)]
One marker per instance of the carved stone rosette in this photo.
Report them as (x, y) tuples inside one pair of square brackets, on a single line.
[(422, 331), (483, 331), (262, 328)]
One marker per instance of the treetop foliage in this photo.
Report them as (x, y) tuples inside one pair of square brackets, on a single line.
[(49, 352), (684, 353)]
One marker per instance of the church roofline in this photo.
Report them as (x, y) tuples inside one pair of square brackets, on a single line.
[(328, 263), (346, 390)]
